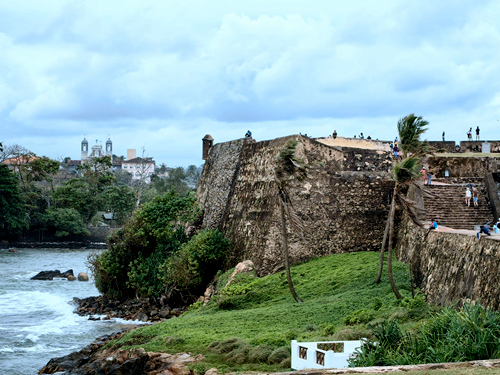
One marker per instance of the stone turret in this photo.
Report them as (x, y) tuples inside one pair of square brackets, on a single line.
[(208, 142)]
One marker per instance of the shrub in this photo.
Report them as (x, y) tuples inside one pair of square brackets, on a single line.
[(279, 355), (197, 262), (130, 265), (260, 354), (471, 333)]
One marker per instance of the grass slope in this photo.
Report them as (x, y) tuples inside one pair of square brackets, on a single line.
[(340, 298)]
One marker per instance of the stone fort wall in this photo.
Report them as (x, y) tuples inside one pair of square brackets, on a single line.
[(452, 267), (343, 203)]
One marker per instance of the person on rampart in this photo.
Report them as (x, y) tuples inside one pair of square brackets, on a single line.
[(429, 178), (433, 226), (469, 135), (475, 196), (334, 135), (361, 136), (395, 149), (248, 134), (486, 228), (468, 196), (477, 133), (443, 136), (423, 172)]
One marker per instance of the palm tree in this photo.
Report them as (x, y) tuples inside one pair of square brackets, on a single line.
[(405, 173), (289, 168)]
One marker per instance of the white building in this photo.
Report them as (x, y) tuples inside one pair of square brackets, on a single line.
[(140, 168)]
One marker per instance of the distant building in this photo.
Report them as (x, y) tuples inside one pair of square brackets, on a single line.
[(140, 168)]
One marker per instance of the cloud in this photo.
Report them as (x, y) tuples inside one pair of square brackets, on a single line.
[(170, 72)]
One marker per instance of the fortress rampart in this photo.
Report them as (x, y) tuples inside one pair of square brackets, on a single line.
[(343, 203)]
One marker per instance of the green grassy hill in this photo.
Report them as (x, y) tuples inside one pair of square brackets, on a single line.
[(249, 325)]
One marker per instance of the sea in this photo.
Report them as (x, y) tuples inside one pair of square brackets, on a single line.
[(37, 319)]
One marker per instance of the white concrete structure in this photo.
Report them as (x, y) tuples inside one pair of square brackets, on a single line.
[(140, 168), (307, 355)]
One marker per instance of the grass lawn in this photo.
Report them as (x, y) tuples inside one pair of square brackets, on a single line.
[(340, 298)]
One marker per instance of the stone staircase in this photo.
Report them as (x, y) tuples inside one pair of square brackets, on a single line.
[(449, 208)]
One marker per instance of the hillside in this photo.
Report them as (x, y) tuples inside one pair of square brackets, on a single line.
[(340, 298)]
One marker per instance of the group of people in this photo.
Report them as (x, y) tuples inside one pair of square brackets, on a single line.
[(471, 192), (469, 134), (486, 229)]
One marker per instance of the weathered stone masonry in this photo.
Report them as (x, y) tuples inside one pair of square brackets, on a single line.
[(452, 267), (343, 203)]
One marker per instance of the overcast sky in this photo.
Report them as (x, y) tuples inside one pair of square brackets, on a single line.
[(161, 74)]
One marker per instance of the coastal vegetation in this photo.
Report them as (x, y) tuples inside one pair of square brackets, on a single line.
[(43, 199), (152, 255), (248, 324)]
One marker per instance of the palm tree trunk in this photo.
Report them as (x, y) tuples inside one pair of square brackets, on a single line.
[(384, 240), (389, 256), (285, 253)]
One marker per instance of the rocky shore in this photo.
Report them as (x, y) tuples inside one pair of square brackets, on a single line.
[(143, 309), (112, 361)]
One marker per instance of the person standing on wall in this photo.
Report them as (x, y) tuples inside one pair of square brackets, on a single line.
[(443, 136), (334, 135), (477, 133), (469, 135)]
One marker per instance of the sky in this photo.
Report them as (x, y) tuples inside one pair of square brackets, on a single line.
[(158, 75)]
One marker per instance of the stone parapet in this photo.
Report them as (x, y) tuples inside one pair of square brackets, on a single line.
[(463, 166), (452, 267)]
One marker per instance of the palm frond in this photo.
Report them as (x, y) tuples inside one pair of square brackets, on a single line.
[(410, 128), (407, 170)]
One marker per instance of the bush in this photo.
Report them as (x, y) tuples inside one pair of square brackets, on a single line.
[(197, 262), (279, 355), (130, 265), (260, 354), (471, 333)]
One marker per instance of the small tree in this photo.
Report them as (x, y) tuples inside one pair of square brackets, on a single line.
[(13, 218), (289, 168)]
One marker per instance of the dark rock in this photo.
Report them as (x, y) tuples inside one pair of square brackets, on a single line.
[(49, 275)]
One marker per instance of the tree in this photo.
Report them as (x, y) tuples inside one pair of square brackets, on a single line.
[(289, 168), (13, 217), (77, 194), (118, 200), (66, 222), (405, 172)]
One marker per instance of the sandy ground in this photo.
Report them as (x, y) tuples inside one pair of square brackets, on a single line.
[(355, 143)]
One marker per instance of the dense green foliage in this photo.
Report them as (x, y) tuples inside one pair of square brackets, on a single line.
[(152, 254), (470, 333), (44, 184), (196, 263), (263, 316), (13, 218), (65, 222)]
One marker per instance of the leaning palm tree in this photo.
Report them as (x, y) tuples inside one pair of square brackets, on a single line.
[(405, 173), (289, 168)]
